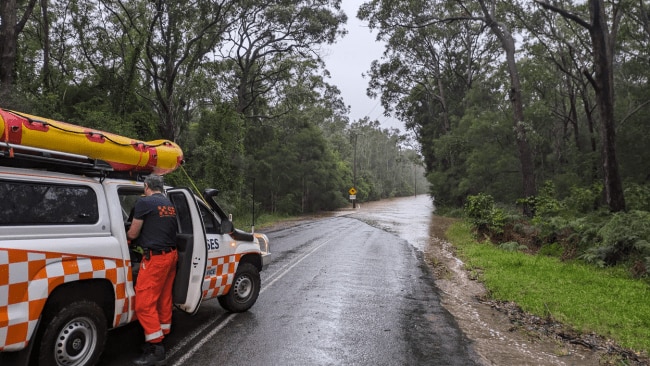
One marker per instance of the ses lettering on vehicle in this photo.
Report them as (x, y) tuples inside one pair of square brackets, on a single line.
[(213, 244)]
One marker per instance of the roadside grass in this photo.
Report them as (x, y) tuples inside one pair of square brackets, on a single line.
[(605, 301), (243, 220)]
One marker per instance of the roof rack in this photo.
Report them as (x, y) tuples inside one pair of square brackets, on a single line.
[(20, 156)]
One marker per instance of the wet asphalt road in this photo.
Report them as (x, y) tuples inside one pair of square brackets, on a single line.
[(338, 292)]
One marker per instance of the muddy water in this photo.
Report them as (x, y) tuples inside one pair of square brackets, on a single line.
[(408, 217), (497, 340)]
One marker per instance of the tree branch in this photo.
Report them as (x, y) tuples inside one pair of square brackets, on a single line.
[(586, 73), (632, 112), (564, 13), (28, 12), (438, 21)]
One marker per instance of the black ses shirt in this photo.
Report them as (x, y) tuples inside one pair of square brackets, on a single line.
[(159, 226)]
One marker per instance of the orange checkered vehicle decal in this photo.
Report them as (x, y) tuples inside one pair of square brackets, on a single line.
[(27, 278), (225, 268)]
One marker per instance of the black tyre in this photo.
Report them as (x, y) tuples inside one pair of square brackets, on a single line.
[(74, 336), (244, 290)]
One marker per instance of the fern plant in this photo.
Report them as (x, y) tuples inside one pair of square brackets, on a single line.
[(624, 238)]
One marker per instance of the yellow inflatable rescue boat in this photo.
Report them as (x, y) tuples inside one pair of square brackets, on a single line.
[(121, 153)]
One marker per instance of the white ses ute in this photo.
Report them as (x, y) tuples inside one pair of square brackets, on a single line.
[(67, 272)]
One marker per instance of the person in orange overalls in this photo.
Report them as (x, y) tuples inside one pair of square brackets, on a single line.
[(155, 226)]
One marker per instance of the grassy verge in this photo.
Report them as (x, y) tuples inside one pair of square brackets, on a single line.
[(589, 299), (243, 221)]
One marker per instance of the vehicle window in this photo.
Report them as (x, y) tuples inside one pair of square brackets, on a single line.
[(47, 204), (209, 222), (183, 213), (128, 198)]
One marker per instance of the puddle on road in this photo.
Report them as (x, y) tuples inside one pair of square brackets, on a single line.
[(495, 338)]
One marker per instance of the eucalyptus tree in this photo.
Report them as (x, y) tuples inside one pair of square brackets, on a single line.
[(559, 102), (561, 44), (53, 70), (632, 93), (214, 149), (158, 50), (603, 26), (14, 14), (496, 19), (392, 17), (110, 38), (291, 151), (424, 76), (139, 57), (180, 36), (300, 171), (265, 34), (90, 54), (332, 118)]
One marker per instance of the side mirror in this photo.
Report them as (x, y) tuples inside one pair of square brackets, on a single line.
[(227, 227)]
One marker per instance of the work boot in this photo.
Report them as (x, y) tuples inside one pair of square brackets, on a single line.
[(153, 354)]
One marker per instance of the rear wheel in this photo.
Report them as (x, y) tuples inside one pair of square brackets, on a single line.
[(244, 290), (74, 336)]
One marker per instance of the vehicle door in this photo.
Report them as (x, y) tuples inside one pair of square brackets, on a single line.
[(192, 251), (222, 261)]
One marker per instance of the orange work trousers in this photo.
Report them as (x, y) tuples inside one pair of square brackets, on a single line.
[(153, 295)]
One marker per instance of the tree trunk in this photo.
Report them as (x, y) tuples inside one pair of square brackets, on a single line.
[(604, 85), (8, 38), (523, 147), (573, 113), (46, 75), (590, 117), (10, 28), (602, 40)]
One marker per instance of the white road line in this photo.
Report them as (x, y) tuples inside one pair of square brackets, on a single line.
[(280, 273), (284, 271)]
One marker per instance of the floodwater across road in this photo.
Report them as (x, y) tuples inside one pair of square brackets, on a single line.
[(407, 217)]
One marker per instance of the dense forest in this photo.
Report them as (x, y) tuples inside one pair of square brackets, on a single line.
[(241, 86), (539, 105), (505, 95)]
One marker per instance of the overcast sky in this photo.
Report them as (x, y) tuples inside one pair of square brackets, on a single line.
[(351, 57)]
